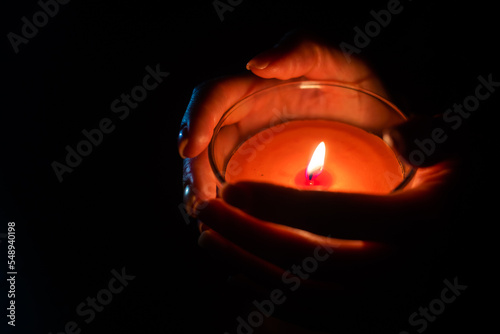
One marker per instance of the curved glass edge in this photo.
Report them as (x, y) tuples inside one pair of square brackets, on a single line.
[(306, 84)]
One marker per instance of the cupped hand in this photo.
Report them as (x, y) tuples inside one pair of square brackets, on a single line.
[(325, 239), (296, 55)]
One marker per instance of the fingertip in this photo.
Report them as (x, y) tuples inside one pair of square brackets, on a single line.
[(263, 59), (193, 146), (205, 239), (191, 142), (202, 227), (257, 64), (272, 71), (182, 141)]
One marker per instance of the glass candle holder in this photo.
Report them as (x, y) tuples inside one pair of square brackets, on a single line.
[(311, 135)]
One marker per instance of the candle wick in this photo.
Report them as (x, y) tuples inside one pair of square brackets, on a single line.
[(310, 177)]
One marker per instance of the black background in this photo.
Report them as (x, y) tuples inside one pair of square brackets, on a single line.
[(120, 206)]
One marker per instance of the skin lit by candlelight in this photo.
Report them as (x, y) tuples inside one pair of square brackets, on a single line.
[(317, 162)]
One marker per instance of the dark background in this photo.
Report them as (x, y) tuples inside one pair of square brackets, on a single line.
[(120, 206)]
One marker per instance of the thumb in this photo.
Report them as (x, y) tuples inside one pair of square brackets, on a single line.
[(341, 215)]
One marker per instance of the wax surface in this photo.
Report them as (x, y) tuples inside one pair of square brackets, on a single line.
[(355, 161)]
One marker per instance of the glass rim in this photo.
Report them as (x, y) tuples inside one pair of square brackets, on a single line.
[(305, 84)]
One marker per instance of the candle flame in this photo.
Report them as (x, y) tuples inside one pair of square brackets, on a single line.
[(315, 167)]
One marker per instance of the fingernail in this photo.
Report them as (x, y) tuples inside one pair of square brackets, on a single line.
[(236, 196), (182, 141), (258, 64)]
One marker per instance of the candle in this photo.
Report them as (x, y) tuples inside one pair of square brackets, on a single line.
[(354, 159)]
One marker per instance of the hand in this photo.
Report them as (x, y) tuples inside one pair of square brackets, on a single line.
[(295, 56), (265, 231)]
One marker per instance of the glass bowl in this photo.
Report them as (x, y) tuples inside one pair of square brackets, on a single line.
[(257, 118)]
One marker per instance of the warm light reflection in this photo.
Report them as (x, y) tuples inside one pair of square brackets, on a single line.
[(317, 162)]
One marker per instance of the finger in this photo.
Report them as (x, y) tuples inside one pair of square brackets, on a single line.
[(299, 55), (424, 141), (237, 257), (280, 244), (255, 267), (208, 103), (199, 182), (400, 217)]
